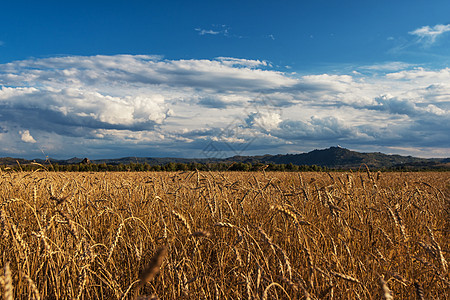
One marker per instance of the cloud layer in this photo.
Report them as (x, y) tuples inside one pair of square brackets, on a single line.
[(430, 34), (111, 106)]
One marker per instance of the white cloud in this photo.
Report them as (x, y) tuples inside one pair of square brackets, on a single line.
[(216, 30), (26, 137), (144, 105), (388, 66), (316, 128), (422, 75), (231, 61), (266, 121), (430, 34), (205, 31)]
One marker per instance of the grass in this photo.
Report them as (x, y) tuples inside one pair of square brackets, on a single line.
[(204, 235)]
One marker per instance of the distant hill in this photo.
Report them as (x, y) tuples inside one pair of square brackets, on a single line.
[(333, 157), (337, 157), (8, 161)]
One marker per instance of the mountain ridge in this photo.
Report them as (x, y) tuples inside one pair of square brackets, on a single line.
[(333, 157)]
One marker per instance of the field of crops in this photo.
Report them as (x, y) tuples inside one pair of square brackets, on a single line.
[(202, 235)]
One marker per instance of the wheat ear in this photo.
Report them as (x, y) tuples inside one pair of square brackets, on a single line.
[(153, 267), (8, 295), (386, 292), (33, 287), (183, 221)]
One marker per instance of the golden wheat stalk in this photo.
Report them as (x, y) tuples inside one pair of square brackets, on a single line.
[(400, 222), (225, 225), (345, 277), (9, 201), (83, 280), (153, 266), (116, 240), (33, 287), (182, 220), (23, 246), (386, 292), (273, 284), (310, 263), (438, 252), (289, 213), (2, 283), (4, 224), (267, 239), (73, 230), (419, 290), (201, 234), (8, 285)]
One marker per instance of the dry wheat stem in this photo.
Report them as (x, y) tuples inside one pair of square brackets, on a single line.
[(419, 290), (116, 240), (33, 287), (66, 253), (345, 277), (8, 285), (153, 266), (386, 292), (273, 284)]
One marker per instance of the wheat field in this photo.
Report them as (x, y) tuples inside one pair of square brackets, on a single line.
[(224, 235)]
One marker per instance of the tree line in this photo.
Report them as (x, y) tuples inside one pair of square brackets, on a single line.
[(222, 166), (168, 167)]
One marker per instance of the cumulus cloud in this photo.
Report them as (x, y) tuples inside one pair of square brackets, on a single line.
[(72, 107), (146, 105), (407, 107), (26, 137), (421, 74), (110, 72), (430, 34), (265, 120), (316, 128)]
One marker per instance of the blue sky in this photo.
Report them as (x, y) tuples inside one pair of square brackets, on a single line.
[(220, 78)]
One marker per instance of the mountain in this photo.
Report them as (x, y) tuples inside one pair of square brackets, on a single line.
[(337, 157), (333, 157), (8, 161)]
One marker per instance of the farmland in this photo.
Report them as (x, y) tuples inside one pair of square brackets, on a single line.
[(224, 235)]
